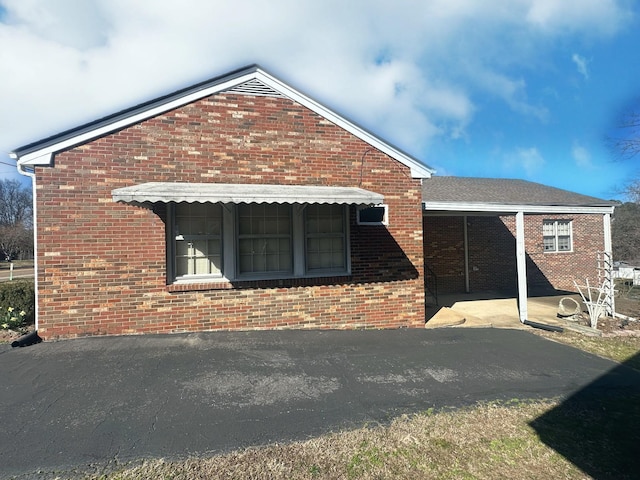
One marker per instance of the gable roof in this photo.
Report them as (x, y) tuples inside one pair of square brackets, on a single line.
[(252, 80), (505, 195)]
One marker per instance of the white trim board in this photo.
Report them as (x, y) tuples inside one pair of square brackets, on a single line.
[(43, 156), (505, 209)]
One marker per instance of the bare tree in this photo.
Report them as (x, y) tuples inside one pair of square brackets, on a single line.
[(625, 232), (16, 242), (628, 143), (626, 146), (16, 220), (15, 203), (632, 190), (625, 227)]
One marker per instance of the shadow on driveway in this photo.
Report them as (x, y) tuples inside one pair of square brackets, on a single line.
[(102, 401)]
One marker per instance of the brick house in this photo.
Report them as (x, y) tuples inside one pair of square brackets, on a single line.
[(233, 204), (237, 203)]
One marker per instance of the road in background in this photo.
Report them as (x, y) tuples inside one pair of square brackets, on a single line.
[(18, 272)]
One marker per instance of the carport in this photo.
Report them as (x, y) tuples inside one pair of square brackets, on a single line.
[(454, 205)]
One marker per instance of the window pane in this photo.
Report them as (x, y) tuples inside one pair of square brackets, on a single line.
[(259, 255), (182, 266), (563, 228), (264, 243), (213, 226), (325, 238), (261, 219), (202, 266), (198, 245), (199, 248), (197, 226), (548, 228), (564, 244), (324, 219), (182, 248), (198, 219), (549, 244), (325, 253)]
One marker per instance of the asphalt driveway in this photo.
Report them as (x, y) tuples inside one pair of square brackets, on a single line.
[(101, 401)]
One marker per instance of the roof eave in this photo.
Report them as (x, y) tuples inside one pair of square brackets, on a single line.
[(512, 208), (41, 152)]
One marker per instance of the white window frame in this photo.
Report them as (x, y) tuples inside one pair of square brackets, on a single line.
[(230, 250), (556, 236)]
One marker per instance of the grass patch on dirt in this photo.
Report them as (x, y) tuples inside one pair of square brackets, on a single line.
[(621, 348), (488, 441)]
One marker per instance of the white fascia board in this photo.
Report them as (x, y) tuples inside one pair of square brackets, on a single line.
[(39, 157), (418, 170), (507, 209), (44, 156)]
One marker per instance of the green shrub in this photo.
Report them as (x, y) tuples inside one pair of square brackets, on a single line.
[(16, 297)]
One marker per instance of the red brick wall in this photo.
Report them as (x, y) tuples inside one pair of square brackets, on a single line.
[(102, 265), (492, 254), (562, 268), (492, 262), (444, 252)]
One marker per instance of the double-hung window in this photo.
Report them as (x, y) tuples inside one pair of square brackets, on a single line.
[(264, 239), (325, 240), (198, 240), (257, 241), (557, 235)]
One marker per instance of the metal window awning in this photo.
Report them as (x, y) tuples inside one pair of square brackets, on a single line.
[(243, 193)]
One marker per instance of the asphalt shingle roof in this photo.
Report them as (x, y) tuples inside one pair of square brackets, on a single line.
[(501, 191)]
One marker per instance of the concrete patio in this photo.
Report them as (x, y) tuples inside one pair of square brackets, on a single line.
[(491, 309)]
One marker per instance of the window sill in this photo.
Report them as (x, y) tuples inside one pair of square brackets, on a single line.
[(259, 284)]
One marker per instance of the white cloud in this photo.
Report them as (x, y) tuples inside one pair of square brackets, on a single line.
[(511, 90), (410, 71), (581, 156), (582, 64), (51, 22), (528, 160), (603, 17)]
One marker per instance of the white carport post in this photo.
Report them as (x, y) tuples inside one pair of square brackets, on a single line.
[(521, 264)]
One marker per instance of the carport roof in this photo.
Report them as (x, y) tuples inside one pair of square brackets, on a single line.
[(502, 194)]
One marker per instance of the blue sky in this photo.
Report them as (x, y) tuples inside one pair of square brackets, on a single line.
[(524, 89)]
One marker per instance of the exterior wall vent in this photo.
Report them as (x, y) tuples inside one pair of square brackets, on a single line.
[(255, 87)]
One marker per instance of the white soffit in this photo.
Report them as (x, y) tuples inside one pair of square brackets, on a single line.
[(243, 193)]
